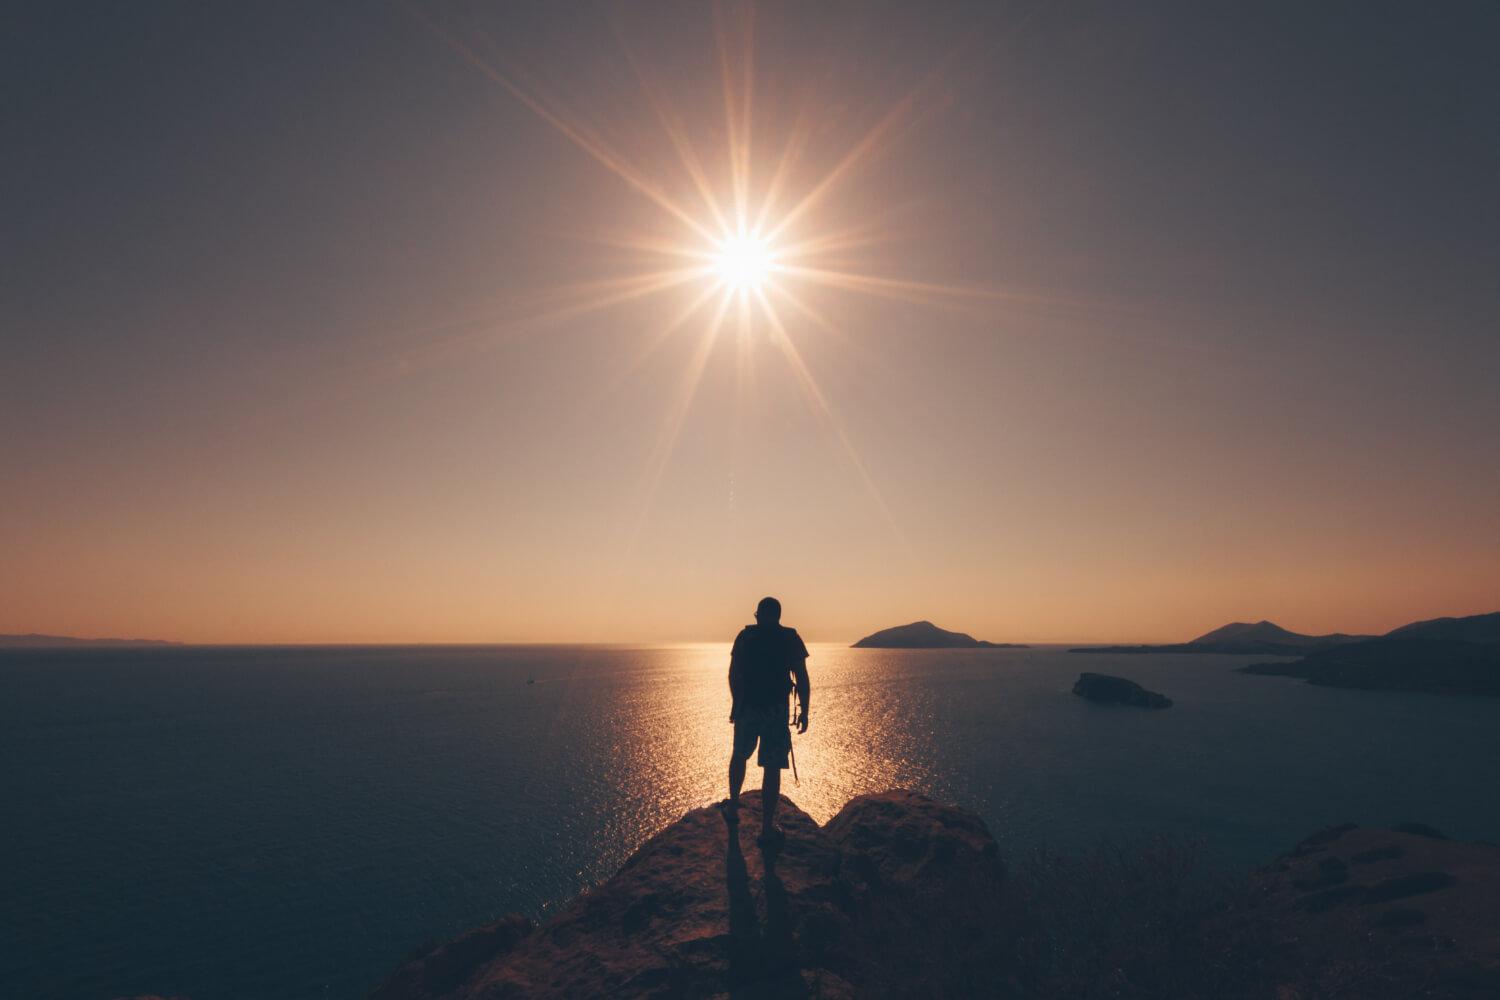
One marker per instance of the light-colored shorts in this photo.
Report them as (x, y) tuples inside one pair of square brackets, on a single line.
[(767, 728)]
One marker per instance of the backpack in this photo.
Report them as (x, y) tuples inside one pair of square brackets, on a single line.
[(760, 667)]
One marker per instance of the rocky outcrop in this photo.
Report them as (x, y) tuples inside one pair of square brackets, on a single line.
[(898, 893), (900, 896), (1117, 690), (928, 897), (438, 970), (1385, 913)]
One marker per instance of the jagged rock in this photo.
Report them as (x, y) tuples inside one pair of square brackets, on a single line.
[(1375, 854), (1439, 940), (899, 894), (1315, 842), (441, 969), (1107, 688), (927, 884), (914, 844), (1421, 830), (1330, 872)]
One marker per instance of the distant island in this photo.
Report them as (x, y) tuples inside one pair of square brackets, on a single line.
[(1259, 638), (925, 635), (35, 640), (1117, 690), (1442, 656)]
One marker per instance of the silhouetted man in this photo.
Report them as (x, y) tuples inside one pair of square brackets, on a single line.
[(765, 658)]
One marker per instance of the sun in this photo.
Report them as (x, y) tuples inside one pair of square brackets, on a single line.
[(757, 237), (743, 261)]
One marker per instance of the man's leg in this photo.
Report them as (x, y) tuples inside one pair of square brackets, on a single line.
[(744, 746), (770, 796), (736, 776)]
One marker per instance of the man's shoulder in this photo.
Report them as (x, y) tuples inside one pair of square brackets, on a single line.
[(785, 633), (791, 638)]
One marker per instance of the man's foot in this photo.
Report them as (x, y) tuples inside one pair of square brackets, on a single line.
[(731, 810), (771, 838)]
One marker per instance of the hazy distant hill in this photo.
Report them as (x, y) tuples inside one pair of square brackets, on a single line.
[(1262, 637), (34, 640), (925, 635), (1269, 633), (1475, 628), (1444, 655)]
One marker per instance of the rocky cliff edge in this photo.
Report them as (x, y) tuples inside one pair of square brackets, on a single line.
[(897, 893)]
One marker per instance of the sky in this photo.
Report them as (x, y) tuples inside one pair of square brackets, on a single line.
[(408, 323)]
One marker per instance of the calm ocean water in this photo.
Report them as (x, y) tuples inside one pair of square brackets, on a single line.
[(275, 823)]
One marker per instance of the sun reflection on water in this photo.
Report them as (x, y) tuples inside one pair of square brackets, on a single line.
[(673, 737)]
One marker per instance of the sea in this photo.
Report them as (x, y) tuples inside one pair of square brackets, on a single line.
[(279, 823)]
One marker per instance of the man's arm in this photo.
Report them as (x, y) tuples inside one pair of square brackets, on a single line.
[(734, 679), (804, 691)]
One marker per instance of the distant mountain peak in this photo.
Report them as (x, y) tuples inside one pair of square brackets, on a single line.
[(924, 635), (1264, 636), (1473, 628), (1263, 630)]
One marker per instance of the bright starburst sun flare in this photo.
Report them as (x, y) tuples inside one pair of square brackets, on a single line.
[(754, 244), (743, 261)]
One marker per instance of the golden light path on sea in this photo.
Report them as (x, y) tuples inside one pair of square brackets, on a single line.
[(869, 732)]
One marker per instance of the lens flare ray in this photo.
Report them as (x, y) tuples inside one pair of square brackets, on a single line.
[(752, 245)]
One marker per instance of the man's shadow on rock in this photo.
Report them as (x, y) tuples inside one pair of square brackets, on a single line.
[(759, 955)]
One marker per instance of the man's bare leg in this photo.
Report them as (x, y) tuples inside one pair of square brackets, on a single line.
[(736, 782), (770, 797)]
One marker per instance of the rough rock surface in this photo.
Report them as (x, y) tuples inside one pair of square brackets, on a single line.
[(901, 896), (441, 969), (897, 894), (1382, 913), (1107, 688)]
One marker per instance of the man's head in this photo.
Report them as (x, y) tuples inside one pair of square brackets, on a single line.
[(768, 611)]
